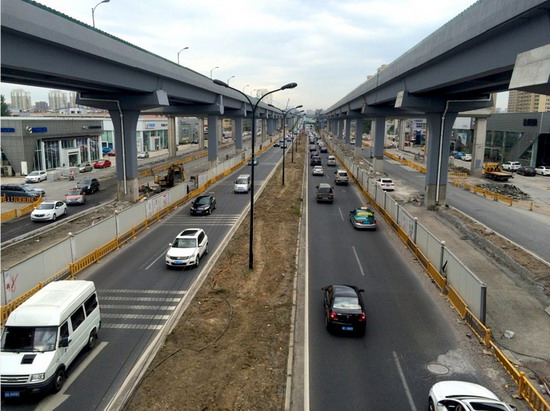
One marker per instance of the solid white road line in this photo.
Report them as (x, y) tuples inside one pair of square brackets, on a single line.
[(404, 381), (306, 310), (358, 262), (341, 214)]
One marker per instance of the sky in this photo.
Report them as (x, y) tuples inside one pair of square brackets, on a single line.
[(328, 47)]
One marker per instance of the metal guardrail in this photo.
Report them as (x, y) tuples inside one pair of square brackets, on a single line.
[(526, 390)]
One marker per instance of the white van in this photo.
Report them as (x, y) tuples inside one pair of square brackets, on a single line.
[(242, 184), (44, 335)]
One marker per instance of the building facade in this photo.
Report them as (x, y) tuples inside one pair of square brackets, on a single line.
[(523, 102), (20, 99)]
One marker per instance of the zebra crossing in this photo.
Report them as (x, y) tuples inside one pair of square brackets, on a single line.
[(134, 309), (213, 219)]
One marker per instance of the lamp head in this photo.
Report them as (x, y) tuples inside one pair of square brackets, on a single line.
[(289, 85)]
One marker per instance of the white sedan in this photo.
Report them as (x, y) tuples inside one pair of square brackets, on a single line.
[(386, 184), (543, 170), (36, 176), (318, 171), (466, 396), (49, 211)]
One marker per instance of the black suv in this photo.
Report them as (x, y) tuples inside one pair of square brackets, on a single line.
[(88, 185)]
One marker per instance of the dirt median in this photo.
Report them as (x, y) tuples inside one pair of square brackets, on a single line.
[(230, 348)]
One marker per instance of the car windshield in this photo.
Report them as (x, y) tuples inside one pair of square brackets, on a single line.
[(85, 182), (46, 206), (185, 243), (202, 201), (34, 173), (325, 190), (346, 303), (29, 339), (364, 214), (487, 406), (242, 181), (73, 193)]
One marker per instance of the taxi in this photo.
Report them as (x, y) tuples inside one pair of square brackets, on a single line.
[(362, 218)]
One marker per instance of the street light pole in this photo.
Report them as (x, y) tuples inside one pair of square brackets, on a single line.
[(93, 11), (244, 88), (284, 139), (254, 107), (185, 48), (213, 70), (229, 79)]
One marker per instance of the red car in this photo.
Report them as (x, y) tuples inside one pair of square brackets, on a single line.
[(102, 163)]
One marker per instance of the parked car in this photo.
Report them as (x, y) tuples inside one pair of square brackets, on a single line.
[(385, 184), (344, 309), (32, 187), (543, 170), (203, 205), (362, 218), (187, 248), (465, 396), (49, 211), (111, 153), (88, 185), (324, 193), (143, 154), (105, 150), (458, 154), (17, 190), (36, 176), (511, 165), (102, 163), (527, 171), (467, 157), (75, 196), (318, 171), (85, 167)]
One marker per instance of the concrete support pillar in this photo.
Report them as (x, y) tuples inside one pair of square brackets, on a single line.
[(402, 126), (126, 158), (377, 148), (347, 131), (238, 134), (358, 138), (172, 141), (478, 153), (213, 136), (264, 130), (437, 166), (201, 133), (219, 125), (340, 130)]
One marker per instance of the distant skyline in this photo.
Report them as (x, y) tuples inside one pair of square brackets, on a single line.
[(328, 48)]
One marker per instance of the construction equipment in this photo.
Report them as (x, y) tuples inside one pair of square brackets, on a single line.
[(175, 173), (494, 172)]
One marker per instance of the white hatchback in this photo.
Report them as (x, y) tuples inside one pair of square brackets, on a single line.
[(318, 171)]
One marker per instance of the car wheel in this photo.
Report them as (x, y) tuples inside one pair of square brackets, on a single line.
[(65, 212), (198, 261), (206, 251), (58, 380), (54, 217), (92, 339), (431, 406)]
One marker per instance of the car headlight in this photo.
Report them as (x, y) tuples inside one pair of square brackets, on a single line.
[(38, 377)]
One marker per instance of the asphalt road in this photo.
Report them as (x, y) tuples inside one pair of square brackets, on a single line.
[(137, 294), (523, 227), (387, 368)]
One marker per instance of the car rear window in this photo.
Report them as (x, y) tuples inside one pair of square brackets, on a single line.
[(325, 190), (346, 303)]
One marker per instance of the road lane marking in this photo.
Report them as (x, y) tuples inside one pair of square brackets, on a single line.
[(404, 381), (131, 291), (137, 307), (132, 326), (136, 316), (341, 214), (306, 311), (148, 299), (358, 262), (155, 260)]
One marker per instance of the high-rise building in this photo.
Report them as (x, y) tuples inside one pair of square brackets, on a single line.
[(58, 99), (523, 102), (21, 99), (41, 106)]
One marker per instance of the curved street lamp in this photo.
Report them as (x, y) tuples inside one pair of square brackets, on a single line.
[(93, 10), (284, 139), (254, 107), (244, 88), (185, 48), (229, 79), (213, 70)]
